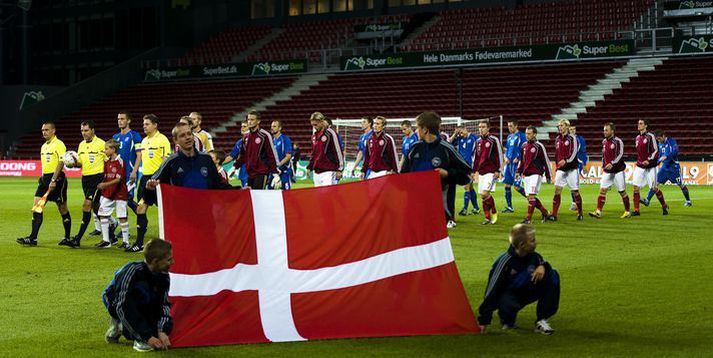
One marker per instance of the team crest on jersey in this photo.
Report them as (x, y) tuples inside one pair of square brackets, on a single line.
[(645, 140), (532, 150), (324, 138), (566, 142), (258, 140), (48, 157), (91, 158), (381, 142), (204, 171), (612, 146), (151, 154), (113, 170), (487, 144), (435, 162)]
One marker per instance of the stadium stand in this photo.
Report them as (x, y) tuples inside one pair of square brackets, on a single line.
[(580, 20), (217, 101), (675, 98), (224, 46)]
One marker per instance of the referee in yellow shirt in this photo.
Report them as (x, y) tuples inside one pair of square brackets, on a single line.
[(53, 180), (91, 159), (155, 147)]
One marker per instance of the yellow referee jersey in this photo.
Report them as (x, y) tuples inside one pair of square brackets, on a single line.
[(206, 139), (91, 156), (50, 154), (154, 149)]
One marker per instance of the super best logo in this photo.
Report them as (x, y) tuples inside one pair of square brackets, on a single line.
[(696, 45), (360, 63), (266, 68), (156, 75), (575, 51), (694, 4)]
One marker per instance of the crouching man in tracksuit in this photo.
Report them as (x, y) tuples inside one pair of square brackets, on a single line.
[(519, 277), (137, 300)]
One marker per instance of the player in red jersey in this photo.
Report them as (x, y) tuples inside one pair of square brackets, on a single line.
[(567, 169), (533, 164), (114, 194), (327, 160), (647, 157), (614, 167), (380, 155), (257, 153), (488, 163)]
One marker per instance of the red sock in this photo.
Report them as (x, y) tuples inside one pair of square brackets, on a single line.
[(492, 205), (530, 207), (538, 204), (556, 204), (659, 195), (578, 201), (625, 199), (486, 207), (637, 197), (600, 202)]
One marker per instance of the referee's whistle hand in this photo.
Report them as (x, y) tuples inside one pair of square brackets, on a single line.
[(152, 184)]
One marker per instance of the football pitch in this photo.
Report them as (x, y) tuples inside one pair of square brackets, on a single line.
[(630, 287)]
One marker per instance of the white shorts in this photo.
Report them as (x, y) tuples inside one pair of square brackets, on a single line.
[(569, 179), (486, 182), (324, 178), (618, 179), (644, 177), (106, 207), (531, 184), (373, 175)]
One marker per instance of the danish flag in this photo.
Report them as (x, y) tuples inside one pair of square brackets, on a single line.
[(364, 259)]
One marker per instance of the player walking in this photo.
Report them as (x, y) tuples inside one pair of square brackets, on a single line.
[(465, 143), (129, 151), (647, 155), (257, 153), (670, 168), (533, 164), (614, 167), (327, 160), (567, 169), (283, 146), (366, 126), (410, 137), (513, 149), (488, 163), (581, 158), (205, 138), (53, 182), (380, 156), (114, 194)]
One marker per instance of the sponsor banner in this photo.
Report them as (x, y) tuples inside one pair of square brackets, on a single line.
[(686, 5), (378, 27), (693, 44), (30, 168), (692, 173), (233, 69), (567, 51)]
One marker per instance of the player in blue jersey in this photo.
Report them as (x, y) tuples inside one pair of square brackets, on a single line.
[(581, 158), (464, 142), (670, 169), (410, 137), (242, 171), (283, 146), (366, 124), (513, 146), (129, 151)]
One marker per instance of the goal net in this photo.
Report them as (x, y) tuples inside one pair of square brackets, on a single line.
[(350, 130)]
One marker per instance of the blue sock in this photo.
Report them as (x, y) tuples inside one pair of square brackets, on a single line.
[(466, 199), (684, 189), (520, 190), (474, 199), (508, 196), (650, 195)]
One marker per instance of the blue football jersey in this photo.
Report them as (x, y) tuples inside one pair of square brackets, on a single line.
[(127, 148), (407, 142), (283, 145), (513, 144), (466, 146), (669, 149), (362, 141)]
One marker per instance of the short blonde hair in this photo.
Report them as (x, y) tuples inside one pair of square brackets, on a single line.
[(565, 121), (380, 118), (520, 233), (316, 116)]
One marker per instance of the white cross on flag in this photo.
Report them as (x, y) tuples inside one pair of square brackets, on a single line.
[(365, 259)]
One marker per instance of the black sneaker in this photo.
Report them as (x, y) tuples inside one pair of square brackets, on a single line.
[(476, 211), (123, 246), (103, 244), (27, 241), (644, 201), (508, 210), (135, 248), (64, 242), (74, 242), (95, 233), (580, 217), (551, 218), (545, 217), (113, 236), (463, 212), (635, 213), (526, 221), (665, 210)]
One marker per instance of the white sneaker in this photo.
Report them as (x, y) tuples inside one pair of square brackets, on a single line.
[(140, 346), (113, 334), (451, 224), (543, 327)]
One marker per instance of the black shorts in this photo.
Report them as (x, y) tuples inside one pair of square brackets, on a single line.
[(89, 185), (59, 194), (148, 196), (258, 182)]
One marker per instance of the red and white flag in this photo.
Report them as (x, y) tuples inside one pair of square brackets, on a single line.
[(365, 259)]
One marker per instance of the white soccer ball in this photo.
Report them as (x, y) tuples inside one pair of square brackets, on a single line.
[(70, 159)]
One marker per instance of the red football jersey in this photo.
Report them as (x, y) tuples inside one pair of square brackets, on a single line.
[(115, 169)]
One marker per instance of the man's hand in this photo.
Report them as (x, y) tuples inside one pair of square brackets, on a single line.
[(52, 185), (645, 162), (517, 177), (156, 343), (507, 161), (339, 175), (514, 161), (164, 339), (442, 172), (608, 167), (496, 175), (361, 175), (538, 274), (663, 158), (151, 184), (132, 177), (561, 163), (101, 186)]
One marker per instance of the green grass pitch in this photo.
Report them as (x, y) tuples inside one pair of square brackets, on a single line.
[(634, 287)]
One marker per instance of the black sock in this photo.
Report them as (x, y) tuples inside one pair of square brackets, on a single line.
[(141, 223), (36, 223), (67, 222), (132, 205), (86, 218)]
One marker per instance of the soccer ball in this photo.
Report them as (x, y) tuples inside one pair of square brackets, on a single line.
[(70, 159)]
